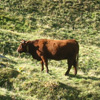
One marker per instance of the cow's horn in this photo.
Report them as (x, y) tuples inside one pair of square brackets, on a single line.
[(23, 41)]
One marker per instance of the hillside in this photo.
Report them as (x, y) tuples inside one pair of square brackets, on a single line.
[(21, 78)]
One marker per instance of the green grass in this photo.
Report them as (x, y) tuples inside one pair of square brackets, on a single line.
[(21, 77), (32, 83)]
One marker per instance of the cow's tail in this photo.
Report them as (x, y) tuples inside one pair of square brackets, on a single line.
[(77, 55), (77, 59)]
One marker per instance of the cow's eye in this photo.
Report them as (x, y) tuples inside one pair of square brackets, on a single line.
[(22, 46)]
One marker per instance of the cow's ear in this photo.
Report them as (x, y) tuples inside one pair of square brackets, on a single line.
[(23, 41), (27, 42)]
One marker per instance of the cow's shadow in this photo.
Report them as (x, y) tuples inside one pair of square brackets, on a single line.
[(82, 77), (69, 92)]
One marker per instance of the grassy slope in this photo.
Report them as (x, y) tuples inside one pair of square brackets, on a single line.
[(29, 83)]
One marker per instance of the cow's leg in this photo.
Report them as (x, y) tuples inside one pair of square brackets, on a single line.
[(45, 61), (42, 65), (70, 63), (75, 66)]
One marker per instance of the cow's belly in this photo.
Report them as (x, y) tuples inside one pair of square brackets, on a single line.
[(36, 57), (59, 56)]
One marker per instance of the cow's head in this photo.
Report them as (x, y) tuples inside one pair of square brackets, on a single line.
[(23, 47)]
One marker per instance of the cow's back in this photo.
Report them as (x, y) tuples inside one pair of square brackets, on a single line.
[(58, 49)]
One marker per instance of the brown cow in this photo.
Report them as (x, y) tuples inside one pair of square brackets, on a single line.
[(44, 49)]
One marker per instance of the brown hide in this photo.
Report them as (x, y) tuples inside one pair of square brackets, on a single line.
[(44, 49)]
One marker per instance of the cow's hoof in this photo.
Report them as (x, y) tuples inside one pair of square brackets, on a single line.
[(47, 71), (66, 74)]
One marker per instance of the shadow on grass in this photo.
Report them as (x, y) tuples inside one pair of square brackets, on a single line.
[(6, 77), (58, 91), (7, 63), (82, 77), (70, 93), (8, 97)]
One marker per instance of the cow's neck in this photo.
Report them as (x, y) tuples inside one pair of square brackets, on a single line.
[(30, 49), (27, 48)]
